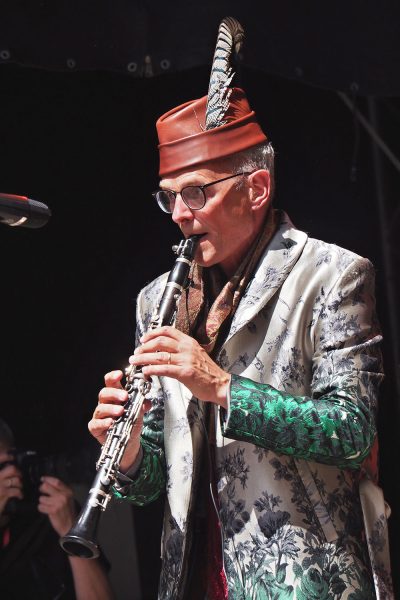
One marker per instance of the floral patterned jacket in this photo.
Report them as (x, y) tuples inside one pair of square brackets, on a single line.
[(303, 349)]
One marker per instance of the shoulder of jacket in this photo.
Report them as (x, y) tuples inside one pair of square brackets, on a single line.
[(325, 252)]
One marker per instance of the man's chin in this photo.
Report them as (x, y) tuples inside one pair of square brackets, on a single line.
[(206, 261)]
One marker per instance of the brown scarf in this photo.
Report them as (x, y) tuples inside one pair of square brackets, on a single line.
[(211, 301)]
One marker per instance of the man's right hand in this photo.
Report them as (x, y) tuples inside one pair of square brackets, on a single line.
[(10, 481), (112, 398)]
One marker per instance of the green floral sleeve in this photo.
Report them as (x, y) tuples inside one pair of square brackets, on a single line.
[(323, 430), (335, 423), (149, 481)]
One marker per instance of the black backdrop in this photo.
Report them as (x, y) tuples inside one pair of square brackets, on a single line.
[(84, 143)]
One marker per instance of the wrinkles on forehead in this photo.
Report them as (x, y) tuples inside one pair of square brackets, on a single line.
[(204, 173)]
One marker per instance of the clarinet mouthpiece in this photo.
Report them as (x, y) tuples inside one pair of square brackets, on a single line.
[(187, 246)]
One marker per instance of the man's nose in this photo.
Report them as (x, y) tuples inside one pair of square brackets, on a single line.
[(181, 212)]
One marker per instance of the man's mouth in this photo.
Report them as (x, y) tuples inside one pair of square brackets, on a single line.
[(199, 235)]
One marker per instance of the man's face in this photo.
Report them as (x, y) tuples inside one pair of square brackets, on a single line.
[(228, 224)]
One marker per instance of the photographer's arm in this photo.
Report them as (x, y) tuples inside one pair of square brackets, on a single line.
[(90, 579)]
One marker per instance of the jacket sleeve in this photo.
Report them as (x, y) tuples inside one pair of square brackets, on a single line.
[(336, 423), (149, 480)]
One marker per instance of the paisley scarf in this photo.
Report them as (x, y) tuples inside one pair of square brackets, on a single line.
[(211, 301)]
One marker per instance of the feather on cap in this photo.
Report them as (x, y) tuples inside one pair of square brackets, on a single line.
[(214, 126), (230, 38)]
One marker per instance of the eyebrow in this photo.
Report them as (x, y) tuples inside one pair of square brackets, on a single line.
[(187, 184)]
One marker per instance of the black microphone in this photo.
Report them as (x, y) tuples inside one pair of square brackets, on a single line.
[(20, 210)]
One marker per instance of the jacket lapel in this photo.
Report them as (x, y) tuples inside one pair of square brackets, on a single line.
[(276, 263)]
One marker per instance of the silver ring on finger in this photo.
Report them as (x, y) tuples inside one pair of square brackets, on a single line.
[(169, 358)]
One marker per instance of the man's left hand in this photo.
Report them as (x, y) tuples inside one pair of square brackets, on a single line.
[(168, 352)]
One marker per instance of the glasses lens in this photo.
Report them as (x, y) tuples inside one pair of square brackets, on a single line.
[(165, 200), (193, 197)]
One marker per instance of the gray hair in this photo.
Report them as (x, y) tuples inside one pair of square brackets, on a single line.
[(256, 157), (6, 435)]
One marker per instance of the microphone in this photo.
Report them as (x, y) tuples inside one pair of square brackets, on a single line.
[(20, 210)]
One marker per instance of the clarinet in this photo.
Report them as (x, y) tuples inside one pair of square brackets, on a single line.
[(81, 539)]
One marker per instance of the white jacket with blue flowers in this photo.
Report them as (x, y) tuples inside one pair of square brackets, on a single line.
[(303, 349)]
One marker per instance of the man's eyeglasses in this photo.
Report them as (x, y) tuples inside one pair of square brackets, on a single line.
[(192, 195)]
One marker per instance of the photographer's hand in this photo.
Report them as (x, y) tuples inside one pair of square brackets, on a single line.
[(10, 481), (90, 579), (56, 500)]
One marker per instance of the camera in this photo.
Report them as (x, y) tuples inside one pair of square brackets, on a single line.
[(33, 466), (70, 468)]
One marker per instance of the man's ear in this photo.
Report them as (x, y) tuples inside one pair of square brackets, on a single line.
[(259, 188)]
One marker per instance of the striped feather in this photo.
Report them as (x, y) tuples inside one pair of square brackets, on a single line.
[(230, 38)]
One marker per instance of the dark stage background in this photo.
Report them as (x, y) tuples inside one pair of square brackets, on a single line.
[(84, 143)]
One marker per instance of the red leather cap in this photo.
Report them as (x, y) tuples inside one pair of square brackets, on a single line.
[(184, 142)]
